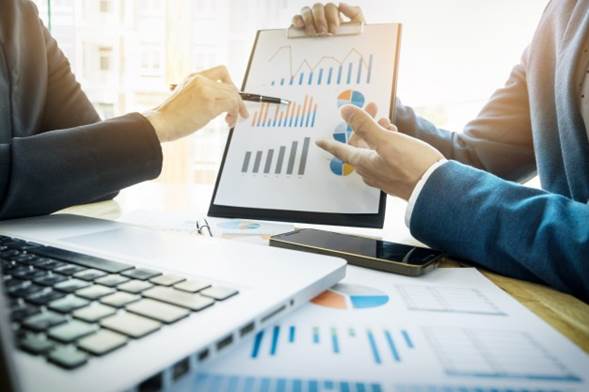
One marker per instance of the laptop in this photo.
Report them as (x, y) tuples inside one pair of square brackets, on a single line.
[(95, 305)]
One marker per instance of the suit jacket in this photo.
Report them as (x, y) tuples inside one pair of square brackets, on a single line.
[(472, 205), (54, 150)]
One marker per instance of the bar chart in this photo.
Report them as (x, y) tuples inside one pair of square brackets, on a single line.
[(353, 68), (383, 346), (277, 161), (292, 115)]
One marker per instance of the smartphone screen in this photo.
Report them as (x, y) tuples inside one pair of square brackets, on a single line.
[(362, 246)]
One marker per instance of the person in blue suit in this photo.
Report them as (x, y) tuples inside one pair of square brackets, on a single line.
[(464, 189)]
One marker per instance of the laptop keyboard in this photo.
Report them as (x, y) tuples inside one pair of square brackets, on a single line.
[(68, 306)]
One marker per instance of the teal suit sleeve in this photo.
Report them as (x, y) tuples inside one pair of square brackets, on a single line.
[(506, 227)]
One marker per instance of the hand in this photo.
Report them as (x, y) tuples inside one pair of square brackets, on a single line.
[(325, 19), (391, 161), (202, 97)]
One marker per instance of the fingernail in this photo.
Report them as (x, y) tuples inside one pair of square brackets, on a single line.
[(347, 111)]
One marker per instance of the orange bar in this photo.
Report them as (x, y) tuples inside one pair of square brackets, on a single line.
[(298, 116), (265, 110), (261, 114), (280, 119), (254, 119), (289, 111), (305, 106), (276, 114)]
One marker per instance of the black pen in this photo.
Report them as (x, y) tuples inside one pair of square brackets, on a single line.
[(253, 97)]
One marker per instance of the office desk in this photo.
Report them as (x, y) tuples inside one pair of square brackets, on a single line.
[(564, 312)]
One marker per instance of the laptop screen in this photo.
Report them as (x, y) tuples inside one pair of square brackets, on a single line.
[(8, 379)]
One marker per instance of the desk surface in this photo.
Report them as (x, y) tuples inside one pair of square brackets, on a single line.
[(564, 312)]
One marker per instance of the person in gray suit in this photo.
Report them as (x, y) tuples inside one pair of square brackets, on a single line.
[(464, 190), (54, 149)]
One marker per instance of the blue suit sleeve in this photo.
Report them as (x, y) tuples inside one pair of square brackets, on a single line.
[(506, 227), (498, 140)]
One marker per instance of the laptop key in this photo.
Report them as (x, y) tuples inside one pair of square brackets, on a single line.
[(119, 299), (89, 274), (192, 286), (27, 273), (167, 280), (111, 280), (141, 273), (95, 291), (98, 263), (69, 269), (44, 296), (134, 286), (23, 311), (94, 312), (68, 304), (71, 285), (219, 293), (158, 310), (50, 279), (43, 321), (50, 264), (102, 342), (68, 357), (130, 324), (194, 302), (23, 258), (71, 331), (35, 343)]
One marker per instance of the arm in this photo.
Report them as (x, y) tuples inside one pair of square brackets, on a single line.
[(499, 140), (528, 233)]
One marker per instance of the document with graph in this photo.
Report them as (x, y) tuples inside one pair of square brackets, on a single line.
[(449, 331), (272, 168)]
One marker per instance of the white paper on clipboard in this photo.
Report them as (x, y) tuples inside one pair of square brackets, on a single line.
[(272, 161)]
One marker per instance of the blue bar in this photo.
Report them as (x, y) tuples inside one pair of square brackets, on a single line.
[(328, 384), (272, 83), (265, 385), (275, 335), (282, 82), (280, 385), (339, 74), (344, 387), (369, 69), (359, 77), (257, 344), (274, 122), (373, 347), (215, 384), (375, 388), (360, 387), (334, 341), (308, 117), (301, 78), (329, 75), (392, 346), (320, 76), (352, 332), (349, 73), (297, 385), (310, 78), (291, 80), (313, 120), (248, 385), (291, 334), (407, 338), (313, 386), (296, 120), (232, 384), (269, 122), (315, 335), (291, 118)]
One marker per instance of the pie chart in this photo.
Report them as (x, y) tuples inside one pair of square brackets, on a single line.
[(239, 225), (342, 133), (352, 97), (351, 296), (340, 168)]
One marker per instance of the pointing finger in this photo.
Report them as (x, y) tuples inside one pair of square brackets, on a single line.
[(365, 126), (372, 109), (350, 154)]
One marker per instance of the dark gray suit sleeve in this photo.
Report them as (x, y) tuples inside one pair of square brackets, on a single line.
[(498, 140), (76, 158)]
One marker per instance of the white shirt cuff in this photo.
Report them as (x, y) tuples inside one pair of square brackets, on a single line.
[(417, 190)]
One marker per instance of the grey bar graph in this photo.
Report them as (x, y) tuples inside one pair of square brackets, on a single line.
[(280, 159), (268, 161), (291, 158), (304, 156), (246, 161), (257, 161)]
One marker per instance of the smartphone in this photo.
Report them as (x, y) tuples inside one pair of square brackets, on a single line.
[(362, 251)]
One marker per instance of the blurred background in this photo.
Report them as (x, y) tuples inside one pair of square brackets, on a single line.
[(125, 53)]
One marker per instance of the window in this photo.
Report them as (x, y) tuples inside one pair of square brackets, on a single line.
[(104, 56), (104, 6)]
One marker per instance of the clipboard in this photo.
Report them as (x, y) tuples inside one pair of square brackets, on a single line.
[(373, 219)]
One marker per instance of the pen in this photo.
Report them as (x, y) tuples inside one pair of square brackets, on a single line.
[(254, 97)]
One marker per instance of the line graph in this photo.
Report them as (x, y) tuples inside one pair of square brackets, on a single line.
[(353, 68)]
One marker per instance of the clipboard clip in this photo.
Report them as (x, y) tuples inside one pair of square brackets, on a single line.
[(344, 29)]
